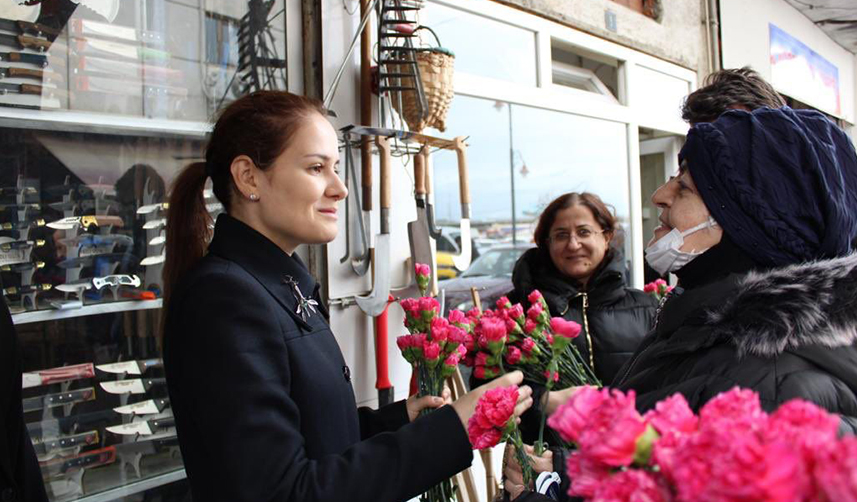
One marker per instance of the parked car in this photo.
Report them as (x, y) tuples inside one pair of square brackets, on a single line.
[(490, 274)]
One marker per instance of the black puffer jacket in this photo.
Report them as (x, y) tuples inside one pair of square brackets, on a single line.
[(785, 333), (616, 317)]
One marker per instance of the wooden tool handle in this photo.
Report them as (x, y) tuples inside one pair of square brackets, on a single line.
[(31, 89), (427, 170), (366, 172), (33, 43), (46, 30), (25, 72), (384, 172), (477, 302), (420, 173), (463, 179)]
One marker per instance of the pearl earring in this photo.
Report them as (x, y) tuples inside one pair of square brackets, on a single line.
[(254, 197)]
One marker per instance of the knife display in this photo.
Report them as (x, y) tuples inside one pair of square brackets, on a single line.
[(131, 367), (25, 42), (144, 428), (45, 76), (71, 222), (9, 246), (86, 460), (4, 207), (56, 375), (24, 27), (22, 267), (31, 89), (115, 86), (25, 57), (59, 399), (105, 48), (132, 452), (160, 239), (85, 28), (75, 287), (150, 407), (26, 290), (21, 225), (135, 386), (61, 445), (138, 294), (153, 260)]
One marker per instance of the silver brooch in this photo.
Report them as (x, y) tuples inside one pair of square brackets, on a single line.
[(306, 307)]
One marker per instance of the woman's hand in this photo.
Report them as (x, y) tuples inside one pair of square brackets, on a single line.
[(465, 406), (416, 405), (514, 478), (556, 398)]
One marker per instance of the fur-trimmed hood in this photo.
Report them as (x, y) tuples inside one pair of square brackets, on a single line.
[(790, 308)]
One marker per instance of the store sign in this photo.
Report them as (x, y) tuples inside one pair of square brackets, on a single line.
[(800, 72)]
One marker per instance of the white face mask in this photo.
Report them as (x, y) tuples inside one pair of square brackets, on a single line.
[(664, 254)]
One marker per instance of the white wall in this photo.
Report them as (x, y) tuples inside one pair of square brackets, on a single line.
[(745, 42)]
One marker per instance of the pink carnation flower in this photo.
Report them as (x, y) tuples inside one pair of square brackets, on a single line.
[(495, 407), (835, 470), (734, 409), (481, 359), (567, 329), (672, 414), (493, 329), (431, 350), (535, 311), (633, 485), (650, 288), (422, 269), (503, 303), (534, 296), (457, 317), (585, 473), (513, 355), (802, 423), (428, 304), (483, 438), (516, 311), (573, 416), (530, 326), (527, 345)]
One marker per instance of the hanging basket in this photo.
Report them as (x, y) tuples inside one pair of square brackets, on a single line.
[(436, 67)]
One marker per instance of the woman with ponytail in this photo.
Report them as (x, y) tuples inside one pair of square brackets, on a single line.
[(260, 391)]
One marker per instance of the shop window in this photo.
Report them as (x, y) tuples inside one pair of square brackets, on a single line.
[(94, 126), (483, 46), (583, 70), (650, 8)]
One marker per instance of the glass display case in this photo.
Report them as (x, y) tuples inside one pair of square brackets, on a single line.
[(102, 102)]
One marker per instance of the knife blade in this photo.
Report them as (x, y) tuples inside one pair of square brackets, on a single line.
[(22, 267), (153, 260), (144, 428), (25, 42), (135, 386), (8, 246), (56, 375), (23, 27), (25, 57), (74, 287), (31, 89), (43, 75), (131, 367), (160, 239), (87, 221), (116, 280), (25, 290), (22, 224), (58, 399), (45, 429), (57, 445), (149, 407), (35, 207), (86, 460), (153, 224), (18, 190), (150, 208)]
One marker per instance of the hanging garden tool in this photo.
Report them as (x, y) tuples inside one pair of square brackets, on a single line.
[(377, 301), (462, 260), (356, 240), (418, 230)]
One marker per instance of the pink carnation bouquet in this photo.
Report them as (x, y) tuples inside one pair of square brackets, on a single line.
[(494, 421), (731, 451), (658, 288)]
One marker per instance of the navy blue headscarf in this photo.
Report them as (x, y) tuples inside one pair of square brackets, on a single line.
[(781, 183)]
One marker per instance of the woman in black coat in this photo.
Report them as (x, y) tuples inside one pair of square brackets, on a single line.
[(261, 393), (581, 276)]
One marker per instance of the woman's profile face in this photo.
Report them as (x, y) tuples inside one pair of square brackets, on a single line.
[(577, 243), (682, 208), (300, 192)]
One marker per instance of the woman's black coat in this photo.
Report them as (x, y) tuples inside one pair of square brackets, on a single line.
[(263, 400), (784, 333), (20, 476)]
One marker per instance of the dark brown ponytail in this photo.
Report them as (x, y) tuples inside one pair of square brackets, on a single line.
[(188, 222), (259, 125)]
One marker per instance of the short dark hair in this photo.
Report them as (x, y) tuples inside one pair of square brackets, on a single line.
[(726, 89), (603, 213)]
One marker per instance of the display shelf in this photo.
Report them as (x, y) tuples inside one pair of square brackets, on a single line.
[(89, 122), (135, 487), (101, 308)]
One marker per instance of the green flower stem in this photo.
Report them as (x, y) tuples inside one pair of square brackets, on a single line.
[(521, 456)]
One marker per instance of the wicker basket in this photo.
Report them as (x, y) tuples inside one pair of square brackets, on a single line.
[(436, 70)]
